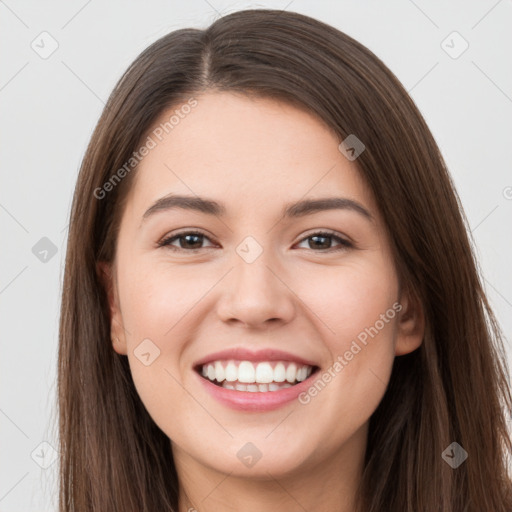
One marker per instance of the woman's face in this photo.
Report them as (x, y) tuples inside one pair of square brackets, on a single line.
[(257, 299)]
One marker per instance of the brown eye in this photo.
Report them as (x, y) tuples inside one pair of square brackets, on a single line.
[(323, 242), (188, 240)]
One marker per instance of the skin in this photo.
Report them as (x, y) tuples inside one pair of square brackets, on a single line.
[(254, 156)]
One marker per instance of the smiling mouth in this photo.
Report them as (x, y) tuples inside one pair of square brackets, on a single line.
[(255, 377)]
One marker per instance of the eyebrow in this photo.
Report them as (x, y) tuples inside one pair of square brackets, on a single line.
[(291, 210)]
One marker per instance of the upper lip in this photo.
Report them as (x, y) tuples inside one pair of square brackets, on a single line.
[(244, 354)]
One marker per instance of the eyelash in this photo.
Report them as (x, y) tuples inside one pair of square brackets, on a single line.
[(344, 244)]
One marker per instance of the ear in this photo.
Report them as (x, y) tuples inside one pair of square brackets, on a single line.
[(411, 324), (106, 274)]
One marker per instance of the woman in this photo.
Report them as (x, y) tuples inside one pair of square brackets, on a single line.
[(270, 300)]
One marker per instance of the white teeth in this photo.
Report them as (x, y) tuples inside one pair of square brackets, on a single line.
[(291, 373), (302, 374), (231, 372), (277, 387), (279, 373), (246, 372), (219, 372), (253, 388), (264, 375)]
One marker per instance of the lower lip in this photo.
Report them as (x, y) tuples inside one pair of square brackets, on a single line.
[(255, 401)]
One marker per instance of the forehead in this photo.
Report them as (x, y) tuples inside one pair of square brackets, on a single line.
[(256, 149)]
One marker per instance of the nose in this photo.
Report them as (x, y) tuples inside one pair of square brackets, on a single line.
[(256, 295)]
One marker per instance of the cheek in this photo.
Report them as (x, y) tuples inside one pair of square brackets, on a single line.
[(356, 309), (351, 299), (154, 307), (156, 299)]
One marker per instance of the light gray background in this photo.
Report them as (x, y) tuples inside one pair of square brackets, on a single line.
[(50, 106)]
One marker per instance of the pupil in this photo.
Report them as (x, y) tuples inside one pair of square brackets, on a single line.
[(187, 237), (321, 237)]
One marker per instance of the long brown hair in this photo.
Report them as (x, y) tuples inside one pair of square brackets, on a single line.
[(454, 388)]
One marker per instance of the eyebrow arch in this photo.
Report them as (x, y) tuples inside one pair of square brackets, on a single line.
[(291, 210)]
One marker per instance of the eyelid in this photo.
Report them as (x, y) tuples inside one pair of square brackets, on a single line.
[(345, 242), (166, 239), (328, 232)]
